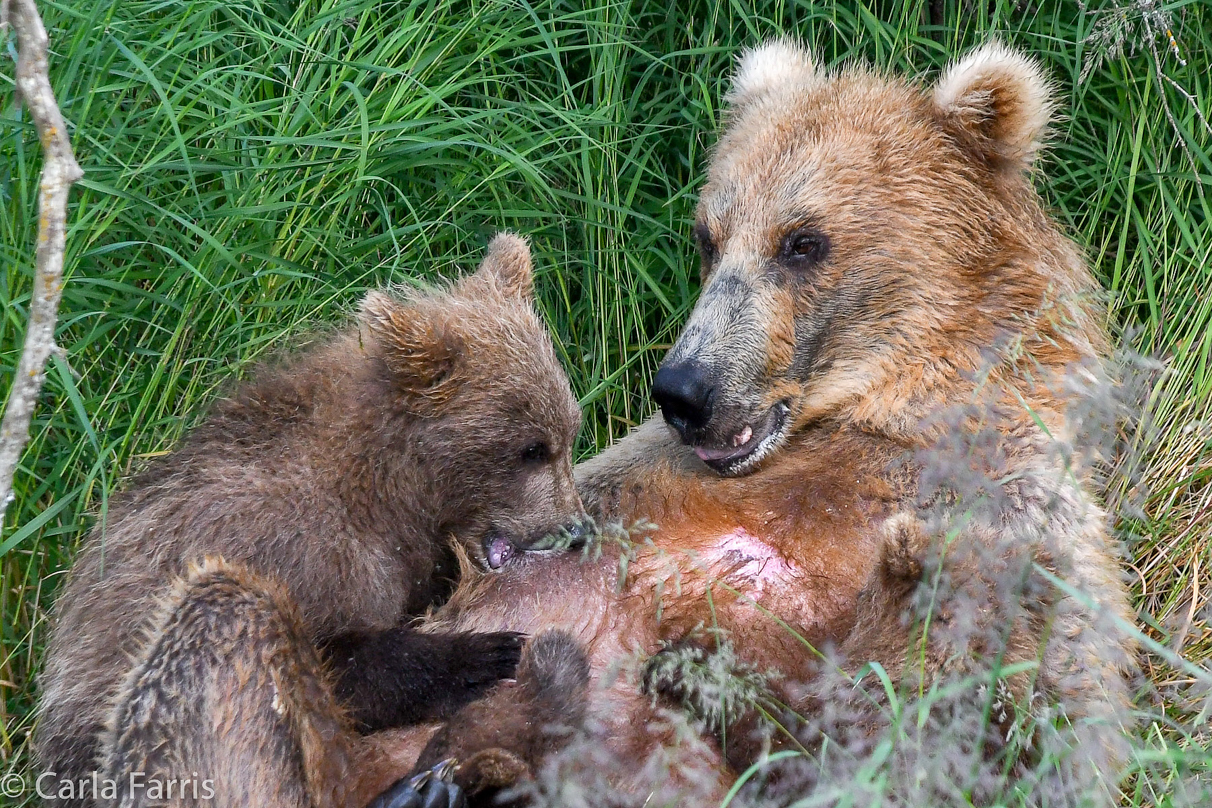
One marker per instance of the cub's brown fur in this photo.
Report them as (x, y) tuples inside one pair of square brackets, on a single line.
[(876, 382), (548, 698), (339, 478), (229, 694)]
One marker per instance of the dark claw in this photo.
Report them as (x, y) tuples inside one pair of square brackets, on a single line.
[(579, 533), (433, 788), (488, 658), (571, 536)]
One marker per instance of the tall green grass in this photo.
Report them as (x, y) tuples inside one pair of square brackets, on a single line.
[(252, 166)]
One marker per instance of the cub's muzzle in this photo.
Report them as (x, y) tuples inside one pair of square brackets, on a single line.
[(500, 548)]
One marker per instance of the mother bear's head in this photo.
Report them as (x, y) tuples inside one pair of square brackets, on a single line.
[(865, 242)]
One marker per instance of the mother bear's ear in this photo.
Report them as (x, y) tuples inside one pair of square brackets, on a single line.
[(773, 65), (997, 102)]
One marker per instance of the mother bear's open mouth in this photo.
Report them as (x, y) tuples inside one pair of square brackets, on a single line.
[(750, 445)]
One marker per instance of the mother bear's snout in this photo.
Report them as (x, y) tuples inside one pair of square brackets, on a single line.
[(685, 393)]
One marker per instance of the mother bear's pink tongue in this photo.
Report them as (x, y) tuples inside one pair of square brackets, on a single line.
[(739, 444)]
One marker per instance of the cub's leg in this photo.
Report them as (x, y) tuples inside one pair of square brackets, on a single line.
[(228, 704), (502, 740), (403, 677)]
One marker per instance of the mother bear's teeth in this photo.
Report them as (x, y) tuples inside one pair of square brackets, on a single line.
[(743, 437)]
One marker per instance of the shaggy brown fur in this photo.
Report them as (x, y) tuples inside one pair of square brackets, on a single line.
[(339, 476), (549, 698), (880, 366), (230, 694), (873, 254)]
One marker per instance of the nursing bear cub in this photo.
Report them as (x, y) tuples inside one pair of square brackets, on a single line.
[(872, 445), (310, 518)]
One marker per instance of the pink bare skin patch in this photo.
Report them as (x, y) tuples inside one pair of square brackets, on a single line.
[(747, 563)]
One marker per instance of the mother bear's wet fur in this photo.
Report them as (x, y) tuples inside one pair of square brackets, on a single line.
[(878, 387)]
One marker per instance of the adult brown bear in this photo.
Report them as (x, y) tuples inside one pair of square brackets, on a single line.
[(883, 376)]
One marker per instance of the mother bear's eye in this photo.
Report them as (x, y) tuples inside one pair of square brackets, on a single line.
[(804, 247)]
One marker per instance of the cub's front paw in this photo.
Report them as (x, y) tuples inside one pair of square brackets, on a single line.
[(484, 659), (432, 788)]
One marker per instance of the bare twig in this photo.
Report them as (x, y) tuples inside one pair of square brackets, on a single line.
[(59, 171)]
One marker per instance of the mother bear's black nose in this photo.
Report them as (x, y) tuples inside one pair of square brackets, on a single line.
[(684, 394)]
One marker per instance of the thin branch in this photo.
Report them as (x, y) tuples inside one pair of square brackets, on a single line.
[(59, 172)]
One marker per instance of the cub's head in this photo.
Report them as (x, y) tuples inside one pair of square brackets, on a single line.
[(863, 240), (490, 416)]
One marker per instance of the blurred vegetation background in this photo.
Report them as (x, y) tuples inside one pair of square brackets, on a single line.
[(252, 166)]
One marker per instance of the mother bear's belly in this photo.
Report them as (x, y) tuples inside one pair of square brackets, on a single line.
[(776, 560), (783, 551), (623, 603)]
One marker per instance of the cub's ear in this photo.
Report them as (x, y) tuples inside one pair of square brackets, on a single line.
[(417, 344), (998, 101), (773, 64), (507, 264)]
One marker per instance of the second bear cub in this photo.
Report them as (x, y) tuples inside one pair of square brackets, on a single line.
[(341, 474)]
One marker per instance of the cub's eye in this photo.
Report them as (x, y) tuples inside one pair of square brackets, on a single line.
[(535, 453), (806, 247)]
